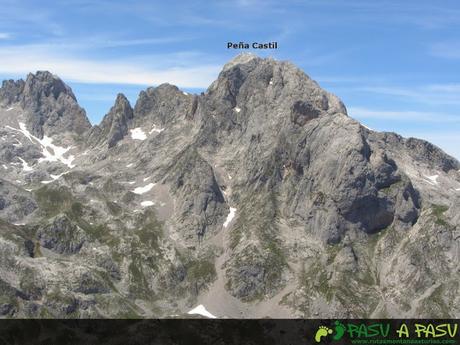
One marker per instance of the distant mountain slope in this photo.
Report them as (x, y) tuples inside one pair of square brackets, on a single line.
[(260, 197)]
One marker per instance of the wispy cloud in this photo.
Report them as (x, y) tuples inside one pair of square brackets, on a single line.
[(152, 70), (403, 116), (447, 94), (446, 50), (427, 94), (5, 35)]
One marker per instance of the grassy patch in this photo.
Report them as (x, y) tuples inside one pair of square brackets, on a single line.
[(438, 212), (53, 201)]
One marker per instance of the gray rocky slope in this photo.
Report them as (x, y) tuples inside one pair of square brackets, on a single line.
[(260, 197)]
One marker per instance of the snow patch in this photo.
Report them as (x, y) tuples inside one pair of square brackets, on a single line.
[(458, 189), (10, 108), (129, 165), (147, 203), (50, 152), (156, 129), (185, 93), (145, 179), (201, 310), (230, 216), (46, 182), (25, 165), (55, 177), (145, 189), (237, 109), (367, 127), (5, 167), (138, 134), (271, 82), (433, 180)]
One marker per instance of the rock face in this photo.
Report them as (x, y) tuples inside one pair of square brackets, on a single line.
[(49, 104), (114, 126), (259, 197)]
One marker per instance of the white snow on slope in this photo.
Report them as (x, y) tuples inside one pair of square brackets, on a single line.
[(5, 167), (237, 109), (433, 180), (50, 152), (230, 216), (201, 310), (458, 189), (10, 108), (147, 203), (46, 182), (138, 134), (129, 165), (185, 93), (367, 127), (55, 177), (145, 189), (25, 165), (156, 129)]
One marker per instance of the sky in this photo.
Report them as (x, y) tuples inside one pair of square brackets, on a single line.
[(395, 64)]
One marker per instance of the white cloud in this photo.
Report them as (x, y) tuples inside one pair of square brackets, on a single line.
[(29, 58), (4, 35)]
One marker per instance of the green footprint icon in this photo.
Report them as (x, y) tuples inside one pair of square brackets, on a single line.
[(322, 332), (339, 330)]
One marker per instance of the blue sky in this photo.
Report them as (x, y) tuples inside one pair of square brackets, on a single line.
[(395, 64)]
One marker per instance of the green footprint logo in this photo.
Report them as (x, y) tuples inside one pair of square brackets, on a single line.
[(322, 332), (339, 330)]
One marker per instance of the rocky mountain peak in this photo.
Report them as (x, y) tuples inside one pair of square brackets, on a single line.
[(259, 190), (11, 90), (276, 81), (114, 125), (45, 84), (162, 104), (48, 104), (122, 106), (242, 58)]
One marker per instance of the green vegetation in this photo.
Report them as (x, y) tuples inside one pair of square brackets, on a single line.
[(150, 234), (201, 271), (391, 188), (53, 201), (258, 219), (438, 212), (138, 282)]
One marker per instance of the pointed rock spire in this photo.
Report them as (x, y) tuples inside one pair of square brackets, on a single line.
[(115, 124)]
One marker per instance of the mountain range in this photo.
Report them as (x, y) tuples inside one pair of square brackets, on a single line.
[(259, 197)]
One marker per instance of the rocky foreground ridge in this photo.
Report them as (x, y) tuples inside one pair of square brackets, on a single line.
[(259, 197)]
